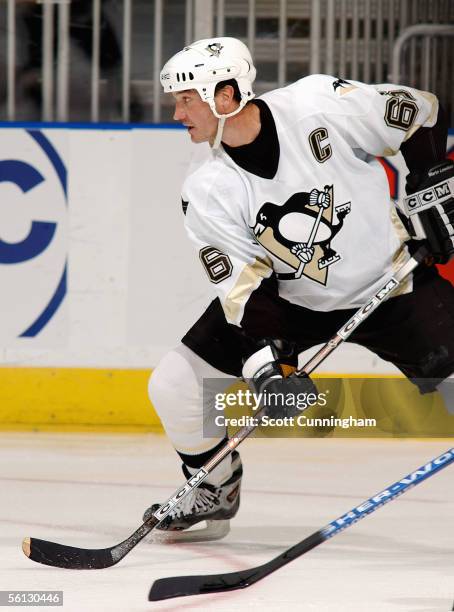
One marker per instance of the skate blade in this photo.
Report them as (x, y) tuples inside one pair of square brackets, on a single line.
[(214, 530)]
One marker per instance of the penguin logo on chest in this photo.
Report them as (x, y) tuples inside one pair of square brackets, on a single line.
[(299, 232)]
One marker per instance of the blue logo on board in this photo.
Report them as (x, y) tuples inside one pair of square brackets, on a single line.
[(31, 189)]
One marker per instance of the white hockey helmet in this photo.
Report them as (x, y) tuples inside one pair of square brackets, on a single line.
[(205, 63)]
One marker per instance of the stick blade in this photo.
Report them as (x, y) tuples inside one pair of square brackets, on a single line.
[(183, 586), (58, 555)]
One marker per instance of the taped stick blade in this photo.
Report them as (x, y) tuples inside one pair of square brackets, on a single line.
[(68, 557)]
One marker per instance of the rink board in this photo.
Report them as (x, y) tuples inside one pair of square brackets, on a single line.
[(115, 282), (76, 399), (116, 400)]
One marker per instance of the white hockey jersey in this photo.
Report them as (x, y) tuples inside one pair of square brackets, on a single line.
[(325, 223)]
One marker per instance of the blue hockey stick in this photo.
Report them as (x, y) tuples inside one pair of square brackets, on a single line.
[(180, 586)]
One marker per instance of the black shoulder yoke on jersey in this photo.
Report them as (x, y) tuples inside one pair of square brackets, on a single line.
[(260, 157)]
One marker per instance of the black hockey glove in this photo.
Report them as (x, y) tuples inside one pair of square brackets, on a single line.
[(430, 208), (280, 396)]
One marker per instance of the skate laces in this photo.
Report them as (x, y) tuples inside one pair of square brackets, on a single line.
[(199, 500)]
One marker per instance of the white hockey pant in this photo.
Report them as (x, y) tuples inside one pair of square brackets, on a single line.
[(175, 389)]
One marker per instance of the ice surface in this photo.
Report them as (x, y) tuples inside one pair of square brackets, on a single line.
[(90, 490)]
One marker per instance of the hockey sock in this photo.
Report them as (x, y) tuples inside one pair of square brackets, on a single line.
[(220, 474)]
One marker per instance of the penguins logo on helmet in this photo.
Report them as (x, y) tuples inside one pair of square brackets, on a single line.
[(285, 231), (215, 49)]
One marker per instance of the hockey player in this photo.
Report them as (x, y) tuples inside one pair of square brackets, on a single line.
[(292, 220)]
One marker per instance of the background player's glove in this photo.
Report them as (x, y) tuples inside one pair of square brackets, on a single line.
[(430, 208), (263, 372)]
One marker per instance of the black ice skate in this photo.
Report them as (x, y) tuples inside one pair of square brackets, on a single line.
[(214, 504)]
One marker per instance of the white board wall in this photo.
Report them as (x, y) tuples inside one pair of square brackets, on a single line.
[(134, 282)]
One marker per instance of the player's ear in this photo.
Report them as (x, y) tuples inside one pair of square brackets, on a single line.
[(224, 98)]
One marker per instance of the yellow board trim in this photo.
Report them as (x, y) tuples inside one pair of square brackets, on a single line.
[(76, 399), (116, 400)]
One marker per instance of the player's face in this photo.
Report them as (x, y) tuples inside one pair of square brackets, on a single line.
[(196, 115)]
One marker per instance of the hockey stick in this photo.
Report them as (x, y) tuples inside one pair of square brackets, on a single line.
[(60, 555), (181, 586), (310, 242)]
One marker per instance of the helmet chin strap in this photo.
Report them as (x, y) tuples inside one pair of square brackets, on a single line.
[(222, 118), (220, 130)]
